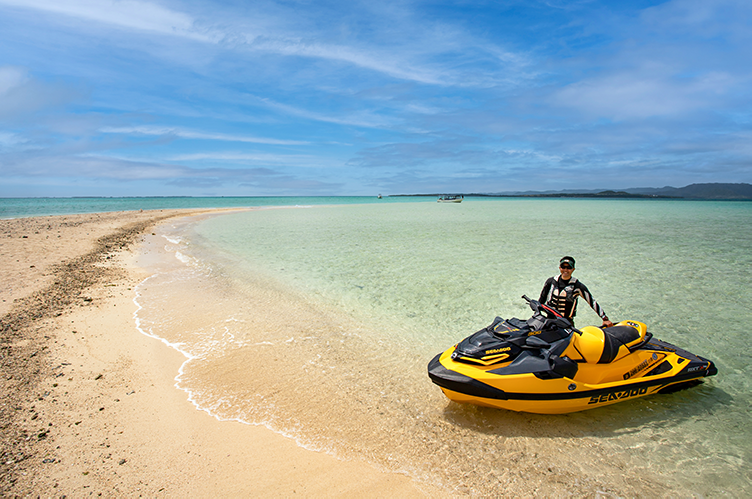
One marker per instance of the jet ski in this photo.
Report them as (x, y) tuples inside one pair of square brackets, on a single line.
[(544, 365)]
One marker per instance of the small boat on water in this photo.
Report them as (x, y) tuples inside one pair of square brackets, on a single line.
[(451, 199)]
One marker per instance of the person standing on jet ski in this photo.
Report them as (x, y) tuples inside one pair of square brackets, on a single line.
[(561, 292)]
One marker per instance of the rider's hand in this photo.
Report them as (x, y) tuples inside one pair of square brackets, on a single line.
[(607, 323)]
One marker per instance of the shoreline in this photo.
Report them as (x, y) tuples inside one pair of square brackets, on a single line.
[(88, 402)]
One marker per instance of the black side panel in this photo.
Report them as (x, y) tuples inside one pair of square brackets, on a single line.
[(664, 346), (661, 368), (460, 383), (680, 386), (564, 366), (517, 323), (525, 363), (552, 335)]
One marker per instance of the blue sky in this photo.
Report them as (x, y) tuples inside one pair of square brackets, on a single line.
[(251, 98)]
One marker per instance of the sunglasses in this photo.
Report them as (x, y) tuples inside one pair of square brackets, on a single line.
[(565, 267)]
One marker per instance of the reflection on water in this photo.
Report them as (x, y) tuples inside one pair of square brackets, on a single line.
[(319, 323)]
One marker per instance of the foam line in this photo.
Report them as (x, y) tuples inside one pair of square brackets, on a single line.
[(191, 396)]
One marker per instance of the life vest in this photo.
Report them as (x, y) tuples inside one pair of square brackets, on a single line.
[(563, 296)]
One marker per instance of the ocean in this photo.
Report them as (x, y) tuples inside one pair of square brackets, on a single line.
[(318, 321), (39, 207)]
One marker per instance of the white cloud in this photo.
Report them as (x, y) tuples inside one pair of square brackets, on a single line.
[(22, 96), (11, 77), (367, 119), (8, 140), (408, 65), (91, 166), (409, 62), (292, 160), (701, 18), (372, 60), (189, 134), (260, 159), (643, 94), (131, 14)]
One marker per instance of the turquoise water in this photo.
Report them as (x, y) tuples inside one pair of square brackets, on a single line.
[(319, 322), (35, 207)]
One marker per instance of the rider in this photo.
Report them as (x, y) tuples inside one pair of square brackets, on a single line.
[(561, 292)]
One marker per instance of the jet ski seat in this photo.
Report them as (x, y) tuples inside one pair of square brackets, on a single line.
[(602, 346), (623, 334), (616, 337)]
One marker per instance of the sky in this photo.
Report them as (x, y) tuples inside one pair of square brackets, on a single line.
[(322, 98)]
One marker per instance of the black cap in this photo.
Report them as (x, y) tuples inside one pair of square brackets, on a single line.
[(567, 260)]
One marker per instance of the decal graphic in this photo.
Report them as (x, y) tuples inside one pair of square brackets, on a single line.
[(617, 395), (497, 350), (642, 366)]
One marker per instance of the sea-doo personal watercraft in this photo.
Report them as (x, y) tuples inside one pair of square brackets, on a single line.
[(544, 365)]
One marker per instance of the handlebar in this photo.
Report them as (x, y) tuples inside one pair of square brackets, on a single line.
[(537, 306)]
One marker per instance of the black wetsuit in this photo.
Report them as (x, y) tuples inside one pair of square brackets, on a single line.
[(562, 295)]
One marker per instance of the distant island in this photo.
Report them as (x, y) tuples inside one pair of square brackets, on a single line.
[(717, 191), (600, 194)]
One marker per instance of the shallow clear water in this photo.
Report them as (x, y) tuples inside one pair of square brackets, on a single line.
[(319, 323), (37, 207)]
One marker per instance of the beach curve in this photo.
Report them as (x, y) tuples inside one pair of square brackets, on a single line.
[(88, 403)]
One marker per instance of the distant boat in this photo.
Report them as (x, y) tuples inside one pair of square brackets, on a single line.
[(379, 196), (451, 199)]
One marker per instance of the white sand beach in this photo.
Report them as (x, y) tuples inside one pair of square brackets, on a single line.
[(89, 405)]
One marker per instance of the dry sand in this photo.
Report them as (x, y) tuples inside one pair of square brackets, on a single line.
[(88, 404)]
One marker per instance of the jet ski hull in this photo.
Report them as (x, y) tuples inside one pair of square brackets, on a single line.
[(654, 367)]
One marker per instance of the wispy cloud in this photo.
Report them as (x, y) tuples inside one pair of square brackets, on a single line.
[(191, 134), (409, 65), (91, 167), (8, 140), (10, 79), (374, 59), (644, 94), (130, 14), (368, 119), (21, 95), (268, 159), (94, 168)]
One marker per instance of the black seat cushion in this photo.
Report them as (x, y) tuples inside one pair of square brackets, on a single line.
[(614, 338), (624, 334)]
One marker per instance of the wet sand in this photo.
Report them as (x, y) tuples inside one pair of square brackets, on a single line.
[(88, 404)]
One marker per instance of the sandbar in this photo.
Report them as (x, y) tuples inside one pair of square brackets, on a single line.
[(88, 404)]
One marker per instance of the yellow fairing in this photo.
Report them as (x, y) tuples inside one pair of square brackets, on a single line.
[(589, 346), (519, 383)]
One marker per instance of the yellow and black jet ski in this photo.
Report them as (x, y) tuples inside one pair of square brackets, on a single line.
[(544, 365)]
